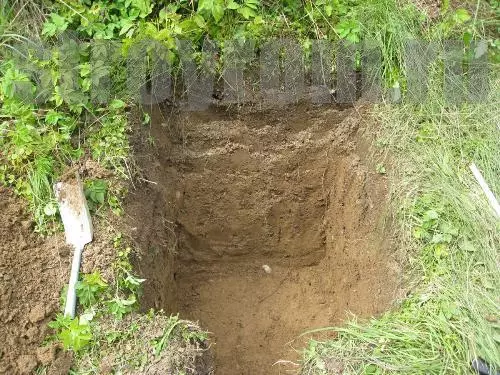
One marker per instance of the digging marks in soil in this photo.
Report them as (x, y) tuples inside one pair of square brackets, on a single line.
[(292, 189)]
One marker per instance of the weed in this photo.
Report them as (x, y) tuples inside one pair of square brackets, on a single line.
[(91, 289), (74, 334), (160, 344), (97, 299), (95, 192), (119, 307)]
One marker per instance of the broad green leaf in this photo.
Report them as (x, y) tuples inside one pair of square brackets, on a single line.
[(143, 6), (329, 10), (200, 21), (76, 336), (205, 4), (246, 12), (253, 4), (218, 11), (59, 21), (56, 25), (84, 70), (99, 196), (117, 104), (49, 29), (52, 117), (126, 26), (231, 4), (462, 15)]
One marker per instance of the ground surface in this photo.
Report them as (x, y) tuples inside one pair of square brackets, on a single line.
[(231, 192), (33, 272)]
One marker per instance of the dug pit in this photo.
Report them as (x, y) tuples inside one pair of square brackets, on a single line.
[(262, 225)]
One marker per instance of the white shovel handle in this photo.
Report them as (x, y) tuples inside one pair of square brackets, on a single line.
[(70, 308)]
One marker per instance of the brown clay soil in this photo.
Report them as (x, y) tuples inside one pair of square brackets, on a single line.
[(31, 274), (33, 270), (258, 224), (262, 225)]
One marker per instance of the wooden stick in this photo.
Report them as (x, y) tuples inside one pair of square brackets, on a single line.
[(491, 198)]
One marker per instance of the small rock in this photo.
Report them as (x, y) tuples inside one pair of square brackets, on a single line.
[(266, 269), (26, 364), (37, 313)]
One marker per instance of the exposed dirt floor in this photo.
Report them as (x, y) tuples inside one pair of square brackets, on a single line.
[(262, 225)]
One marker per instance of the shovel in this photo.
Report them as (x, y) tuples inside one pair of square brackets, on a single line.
[(77, 227)]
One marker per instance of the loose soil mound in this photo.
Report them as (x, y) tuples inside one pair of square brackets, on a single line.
[(262, 225), (33, 271), (31, 274)]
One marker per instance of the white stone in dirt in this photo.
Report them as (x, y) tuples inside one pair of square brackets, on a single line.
[(266, 269)]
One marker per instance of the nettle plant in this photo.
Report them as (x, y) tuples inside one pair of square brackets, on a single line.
[(46, 113)]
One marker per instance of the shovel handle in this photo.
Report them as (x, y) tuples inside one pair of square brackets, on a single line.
[(70, 308)]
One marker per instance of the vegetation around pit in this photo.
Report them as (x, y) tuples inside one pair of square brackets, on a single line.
[(447, 234)]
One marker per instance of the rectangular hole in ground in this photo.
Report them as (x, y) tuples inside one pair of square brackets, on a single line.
[(269, 225)]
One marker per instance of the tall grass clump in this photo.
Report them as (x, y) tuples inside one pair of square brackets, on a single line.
[(449, 236), (447, 233)]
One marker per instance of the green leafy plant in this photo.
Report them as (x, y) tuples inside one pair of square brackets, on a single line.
[(74, 334), (55, 25), (349, 29), (95, 191), (118, 307), (109, 143), (454, 22), (91, 289), (248, 9)]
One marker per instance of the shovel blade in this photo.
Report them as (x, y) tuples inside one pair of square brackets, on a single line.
[(74, 212)]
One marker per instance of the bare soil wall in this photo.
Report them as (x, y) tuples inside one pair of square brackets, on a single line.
[(262, 225)]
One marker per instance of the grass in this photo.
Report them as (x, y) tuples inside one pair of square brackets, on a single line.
[(447, 233), (448, 236), (142, 342)]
